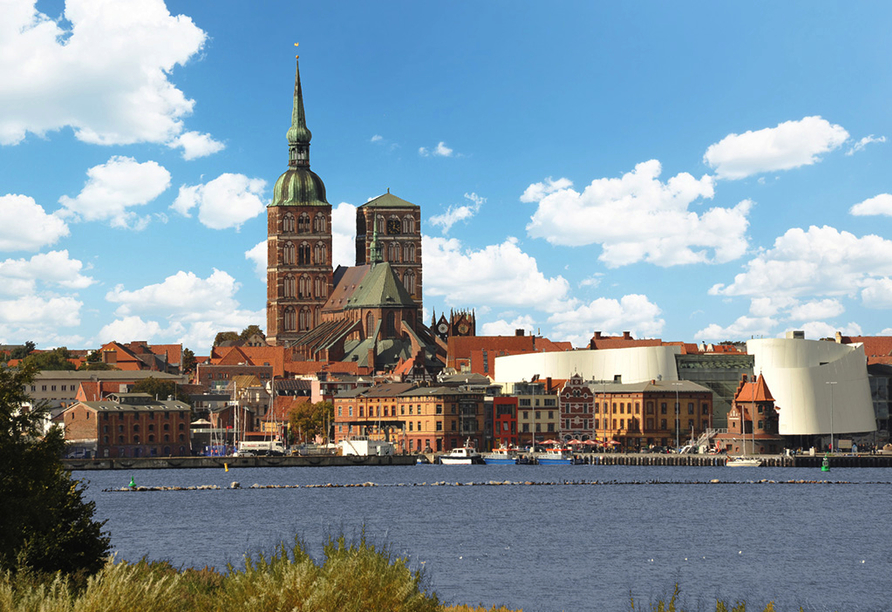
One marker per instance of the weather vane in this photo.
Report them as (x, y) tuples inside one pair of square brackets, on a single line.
[(296, 56)]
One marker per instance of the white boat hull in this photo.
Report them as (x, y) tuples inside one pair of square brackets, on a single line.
[(743, 462)]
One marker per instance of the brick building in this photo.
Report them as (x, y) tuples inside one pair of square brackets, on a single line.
[(576, 402)]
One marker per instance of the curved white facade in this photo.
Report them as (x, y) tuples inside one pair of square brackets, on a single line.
[(798, 373), (637, 364)]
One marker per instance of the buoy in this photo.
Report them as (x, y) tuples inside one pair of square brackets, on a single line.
[(132, 484), (226, 467), (825, 464)]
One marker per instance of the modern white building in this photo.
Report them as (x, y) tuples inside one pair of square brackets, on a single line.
[(627, 365), (820, 387)]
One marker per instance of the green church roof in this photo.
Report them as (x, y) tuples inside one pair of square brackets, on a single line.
[(380, 288), (388, 200)]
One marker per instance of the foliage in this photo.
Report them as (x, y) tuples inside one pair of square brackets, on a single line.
[(227, 336), (56, 359), (189, 361), (161, 389), (311, 419), (87, 366), (250, 331), (45, 525), (20, 352), (673, 604)]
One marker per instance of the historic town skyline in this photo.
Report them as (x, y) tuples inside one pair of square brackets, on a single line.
[(691, 172)]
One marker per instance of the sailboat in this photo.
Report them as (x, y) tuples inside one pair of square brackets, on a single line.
[(743, 460)]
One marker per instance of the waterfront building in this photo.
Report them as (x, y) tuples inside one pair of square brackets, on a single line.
[(718, 368), (469, 353), (127, 425), (576, 402), (504, 421), (752, 421), (59, 388)]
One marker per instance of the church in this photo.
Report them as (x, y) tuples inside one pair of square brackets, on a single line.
[(369, 313)]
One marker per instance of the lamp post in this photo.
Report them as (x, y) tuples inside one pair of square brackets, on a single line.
[(677, 415), (831, 383)]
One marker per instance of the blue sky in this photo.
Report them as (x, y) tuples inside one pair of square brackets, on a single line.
[(693, 171)]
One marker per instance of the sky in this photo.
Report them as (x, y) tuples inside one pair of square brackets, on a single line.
[(691, 171)]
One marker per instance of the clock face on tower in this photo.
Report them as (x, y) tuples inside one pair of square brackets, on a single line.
[(394, 226), (443, 328)]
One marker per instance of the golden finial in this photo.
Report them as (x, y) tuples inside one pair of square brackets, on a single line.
[(296, 56)]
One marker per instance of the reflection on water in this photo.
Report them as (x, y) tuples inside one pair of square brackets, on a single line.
[(543, 546)]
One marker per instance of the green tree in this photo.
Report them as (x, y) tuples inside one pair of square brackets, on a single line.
[(250, 331), (45, 524), (227, 336), (161, 389), (311, 419), (189, 361), (56, 359), (20, 352), (97, 366)]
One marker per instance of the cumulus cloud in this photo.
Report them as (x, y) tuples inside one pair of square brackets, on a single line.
[(743, 327), (640, 218), (258, 256), (820, 329), (377, 138), (113, 188), (441, 150), (122, 330), (877, 205), (39, 315), (25, 225), (195, 144), (227, 201), (343, 235), (508, 328), (498, 275), (456, 213), (106, 76), (538, 191), (877, 293), (816, 309), (788, 145), (635, 313), (858, 146), (20, 277)]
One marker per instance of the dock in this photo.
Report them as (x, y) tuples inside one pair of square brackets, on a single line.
[(162, 463)]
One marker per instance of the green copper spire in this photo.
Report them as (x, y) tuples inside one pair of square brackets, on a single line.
[(299, 186), (377, 252)]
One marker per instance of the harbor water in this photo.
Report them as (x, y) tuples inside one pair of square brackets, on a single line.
[(540, 538)]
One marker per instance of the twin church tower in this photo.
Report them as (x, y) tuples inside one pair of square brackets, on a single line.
[(343, 313)]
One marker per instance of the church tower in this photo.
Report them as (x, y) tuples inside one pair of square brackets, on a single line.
[(299, 270)]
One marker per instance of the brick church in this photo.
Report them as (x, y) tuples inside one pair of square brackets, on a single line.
[(369, 313)]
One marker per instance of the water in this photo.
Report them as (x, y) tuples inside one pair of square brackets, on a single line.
[(542, 548)]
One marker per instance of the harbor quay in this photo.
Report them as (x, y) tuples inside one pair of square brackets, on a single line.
[(632, 459)]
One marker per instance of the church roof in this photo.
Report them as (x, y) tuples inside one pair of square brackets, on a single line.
[(346, 281), (380, 288), (388, 200), (753, 390)]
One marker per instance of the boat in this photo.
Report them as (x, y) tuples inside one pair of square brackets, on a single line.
[(743, 462), (463, 455), (502, 456), (556, 456)]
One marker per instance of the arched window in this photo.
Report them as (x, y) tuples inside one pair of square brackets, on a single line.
[(408, 224), (303, 223), (288, 254), (409, 253), (393, 252), (303, 254), (304, 322), (379, 221), (289, 286), (321, 288), (288, 223), (303, 287), (391, 326), (409, 282), (369, 324), (290, 322), (320, 255), (319, 224)]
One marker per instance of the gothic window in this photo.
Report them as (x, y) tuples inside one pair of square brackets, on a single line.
[(303, 254), (319, 224), (290, 322), (408, 224), (369, 324), (379, 221), (320, 288), (391, 327), (409, 253), (304, 323), (409, 282), (289, 286), (393, 252), (303, 223), (288, 223), (319, 254), (303, 289), (288, 254)]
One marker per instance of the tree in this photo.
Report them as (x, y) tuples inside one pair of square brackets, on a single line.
[(161, 389), (56, 359), (189, 361), (310, 419), (250, 331), (45, 524), (227, 336), (20, 352)]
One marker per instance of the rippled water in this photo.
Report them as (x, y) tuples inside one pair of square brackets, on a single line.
[(545, 547)]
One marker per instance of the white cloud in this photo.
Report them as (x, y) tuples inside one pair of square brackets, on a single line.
[(877, 293), (441, 150), (639, 218), (377, 138), (820, 329), (508, 328), (343, 235), (258, 256), (195, 145), (127, 329), (822, 261), (537, 191), (858, 146), (107, 77), (454, 213), (877, 205), (742, 328), (40, 316), (789, 145), (113, 188), (25, 226), (498, 275), (635, 313), (227, 201), (19, 277), (817, 309), (593, 281)]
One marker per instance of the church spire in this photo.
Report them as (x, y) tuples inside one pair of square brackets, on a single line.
[(298, 134), (376, 251)]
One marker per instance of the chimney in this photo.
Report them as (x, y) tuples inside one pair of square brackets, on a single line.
[(627, 335), (597, 335), (518, 332)]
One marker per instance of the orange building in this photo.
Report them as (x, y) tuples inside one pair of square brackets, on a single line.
[(752, 421)]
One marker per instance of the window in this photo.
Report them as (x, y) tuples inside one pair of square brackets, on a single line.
[(288, 223), (705, 408), (663, 408), (303, 223), (691, 408), (662, 423), (439, 426), (410, 425), (303, 254)]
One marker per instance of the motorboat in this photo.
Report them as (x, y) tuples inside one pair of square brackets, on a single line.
[(556, 456), (502, 456), (743, 462), (463, 455)]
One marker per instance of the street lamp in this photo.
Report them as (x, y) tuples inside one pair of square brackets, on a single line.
[(677, 415), (831, 383)]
